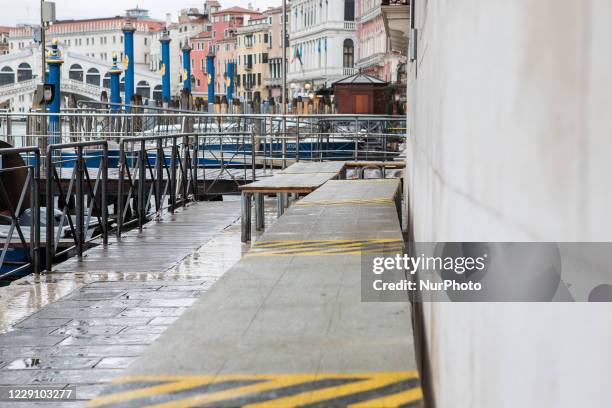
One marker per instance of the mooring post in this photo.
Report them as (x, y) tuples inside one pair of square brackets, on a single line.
[(128, 34)]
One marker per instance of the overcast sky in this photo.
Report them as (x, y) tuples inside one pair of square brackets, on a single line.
[(27, 11)]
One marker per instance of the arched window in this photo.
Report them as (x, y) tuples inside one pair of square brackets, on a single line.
[(157, 93), (93, 77), (349, 10), (7, 76), (143, 89), (24, 72), (349, 54), (76, 72), (106, 80)]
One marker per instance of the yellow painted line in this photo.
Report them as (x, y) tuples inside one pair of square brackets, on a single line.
[(209, 398), (308, 397), (122, 396), (327, 241), (325, 247), (364, 382), (357, 201), (394, 400)]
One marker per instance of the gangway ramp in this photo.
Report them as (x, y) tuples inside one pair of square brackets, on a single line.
[(286, 326)]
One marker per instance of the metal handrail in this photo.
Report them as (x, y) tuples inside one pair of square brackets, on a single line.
[(31, 182), (82, 184)]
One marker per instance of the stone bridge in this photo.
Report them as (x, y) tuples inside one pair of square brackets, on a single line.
[(82, 76)]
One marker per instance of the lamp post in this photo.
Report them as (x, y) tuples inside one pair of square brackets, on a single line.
[(115, 86), (55, 73)]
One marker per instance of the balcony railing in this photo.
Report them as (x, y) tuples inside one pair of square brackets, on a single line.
[(349, 71), (349, 25), (395, 2)]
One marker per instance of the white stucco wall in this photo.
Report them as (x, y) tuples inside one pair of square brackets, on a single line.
[(510, 140)]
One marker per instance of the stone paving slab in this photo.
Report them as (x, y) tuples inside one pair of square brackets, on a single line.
[(92, 333)]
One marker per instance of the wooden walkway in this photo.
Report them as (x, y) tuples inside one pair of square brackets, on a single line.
[(287, 325), (160, 245)]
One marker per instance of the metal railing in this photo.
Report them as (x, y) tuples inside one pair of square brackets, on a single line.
[(277, 138), (159, 174), (86, 195), (97, 179), (20, 254)]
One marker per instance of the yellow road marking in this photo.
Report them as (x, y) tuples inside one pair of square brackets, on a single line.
[(308, 397), (306, 203), (181, 384), (364, 382), (394, 400), (326, 247), (230, 393)]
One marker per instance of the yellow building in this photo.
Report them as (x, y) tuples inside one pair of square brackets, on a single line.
[(252, 48)]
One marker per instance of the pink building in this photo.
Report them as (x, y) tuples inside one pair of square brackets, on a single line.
[(221, 35), (229, 18), (378, 54), (200, 45)]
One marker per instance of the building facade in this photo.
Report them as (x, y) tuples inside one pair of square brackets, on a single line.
[(252, 48), (94, 38), (221, 35), (322, 44), (191, 23), (4, 40), (225, 52), (273, 82), (378, 55)]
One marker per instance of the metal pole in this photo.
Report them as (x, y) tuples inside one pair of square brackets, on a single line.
[(80, 215), (50, 225), (104, 194), (284, 87), (141, 184), (43, 41), (120, 180), (35, 241)]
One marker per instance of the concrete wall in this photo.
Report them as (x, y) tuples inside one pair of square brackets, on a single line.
[(511, 139)]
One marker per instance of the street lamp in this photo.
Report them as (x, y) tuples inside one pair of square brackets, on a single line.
[(47, 16)]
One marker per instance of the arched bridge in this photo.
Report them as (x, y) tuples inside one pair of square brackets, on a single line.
[(83, 76)]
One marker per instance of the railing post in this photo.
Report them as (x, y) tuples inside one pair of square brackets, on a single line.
[(284, 142), (80, 214), (141, 185), (50, 224), (356, 139), (173, 175), (120, 181), (184, 180), (297, 140), (35, 233), (194, 167), (159, 176), (104, 194)]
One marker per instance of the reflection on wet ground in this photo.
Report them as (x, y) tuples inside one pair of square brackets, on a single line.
[(83, 328)]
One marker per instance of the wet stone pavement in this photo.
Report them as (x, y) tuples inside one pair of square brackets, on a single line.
[(96, 323)]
